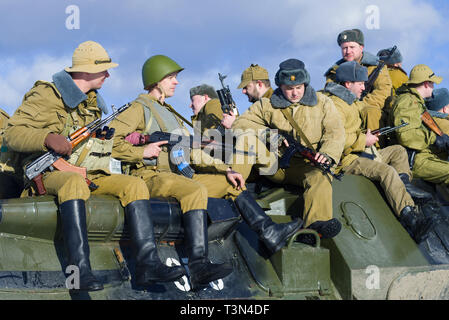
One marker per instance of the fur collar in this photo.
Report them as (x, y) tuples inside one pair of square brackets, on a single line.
[(341, 92), (71, 94), (368, 59), (280, 102)]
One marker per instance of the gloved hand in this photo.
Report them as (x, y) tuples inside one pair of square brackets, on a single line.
[(442, 142), (135, 138), (58, 143)]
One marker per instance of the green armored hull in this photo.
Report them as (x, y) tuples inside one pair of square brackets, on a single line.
[(373, 257)]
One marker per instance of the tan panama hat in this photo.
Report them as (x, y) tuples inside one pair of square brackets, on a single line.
[(421, 73), (90, 57), (253, 73)]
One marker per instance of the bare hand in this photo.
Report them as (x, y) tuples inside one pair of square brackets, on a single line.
[(152, 150), (228, 119), (321, 159), (235, 178), (371, 139)]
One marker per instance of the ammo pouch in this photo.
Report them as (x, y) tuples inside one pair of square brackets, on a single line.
[(94, 155)]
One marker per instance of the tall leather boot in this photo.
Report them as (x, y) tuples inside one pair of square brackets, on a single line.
[(416, 193), (74, 229), (149, 267), (273, 235), (202, 271), (417, 225)]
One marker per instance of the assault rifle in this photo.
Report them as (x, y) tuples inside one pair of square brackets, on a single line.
[(226, 100), (387, 130), (430, 123), (177, 144), (307, 153), (375, 74), (52, 160)]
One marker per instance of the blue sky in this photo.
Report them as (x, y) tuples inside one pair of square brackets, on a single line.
[(207, 37)]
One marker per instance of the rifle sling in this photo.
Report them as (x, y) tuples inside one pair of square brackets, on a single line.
[(289, 117)]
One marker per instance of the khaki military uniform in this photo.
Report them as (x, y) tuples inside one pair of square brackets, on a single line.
[(408, 106), (209, 117), (322, 126), (4, 117), (160, 176), (443, 123), (398, 77), (44, 111), (268, 93), (10, 182), (375, 101), (390, 161)]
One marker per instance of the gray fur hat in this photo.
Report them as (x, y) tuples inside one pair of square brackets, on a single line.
[(396, 57), (351, 71), (439, 99), (353, 35), (292, 72), (202, 90)]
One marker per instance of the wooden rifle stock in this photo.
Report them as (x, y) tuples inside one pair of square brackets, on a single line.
[(430, 123), (62, 165), (51, 159)]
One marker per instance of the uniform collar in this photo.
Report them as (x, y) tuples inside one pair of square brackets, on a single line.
[(341, 92), (280, 102), (71, 94)]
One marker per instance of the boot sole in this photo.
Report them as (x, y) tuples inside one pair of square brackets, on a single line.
[(151, 281)]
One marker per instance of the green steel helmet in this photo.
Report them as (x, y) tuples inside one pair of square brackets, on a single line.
[(156, 68)]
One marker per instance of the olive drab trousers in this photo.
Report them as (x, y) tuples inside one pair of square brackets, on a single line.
[(428, 166), (192, 193), (394, 161), (70, 186), (317, 189)]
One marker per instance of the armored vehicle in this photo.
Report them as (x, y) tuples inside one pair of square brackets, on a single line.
[(373, 257)]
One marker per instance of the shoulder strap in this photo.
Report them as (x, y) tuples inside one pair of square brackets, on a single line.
[(148, 106), (181, 117), (289, 117)]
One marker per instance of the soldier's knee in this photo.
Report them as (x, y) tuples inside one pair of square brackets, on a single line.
[(74, 187), (134, 189)]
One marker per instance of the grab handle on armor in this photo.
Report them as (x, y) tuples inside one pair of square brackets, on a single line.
[(305, 231)]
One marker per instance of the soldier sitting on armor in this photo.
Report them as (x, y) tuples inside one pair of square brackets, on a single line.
[(352, 43), (296, 109), (206, 107), (389, 166), (420, 136), (11, 184), (255, 84), (149, 113), (394, 65), (438, 107), (51, 111)]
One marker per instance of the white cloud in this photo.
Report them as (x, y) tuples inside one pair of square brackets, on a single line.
[(17, 77)]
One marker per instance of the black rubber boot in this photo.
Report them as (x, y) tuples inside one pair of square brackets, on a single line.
[(74, 232), (202, 271), (149, 267), (273, 235), (325, 229), (416, 193), (416, 224)]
